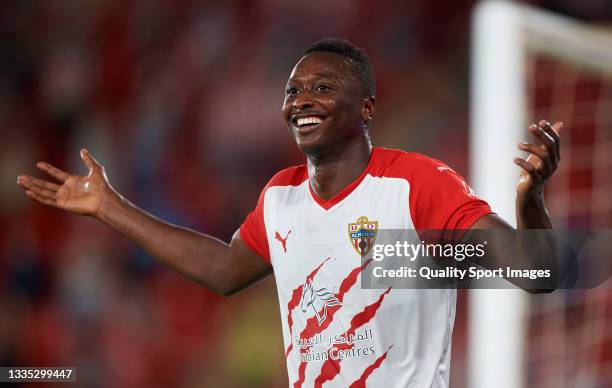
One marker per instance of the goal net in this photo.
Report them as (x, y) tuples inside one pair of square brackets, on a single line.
[(530, 65)]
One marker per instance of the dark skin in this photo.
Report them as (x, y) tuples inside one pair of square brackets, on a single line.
[(322, 85), (338, 149)]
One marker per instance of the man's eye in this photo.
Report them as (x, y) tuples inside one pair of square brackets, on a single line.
[(291, 91), (322, 88)]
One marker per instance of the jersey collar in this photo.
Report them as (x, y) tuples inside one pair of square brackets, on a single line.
[(345, 191)]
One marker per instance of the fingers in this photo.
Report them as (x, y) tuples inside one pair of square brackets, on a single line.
[(37, 193), (530, 169), (544, 158), (557, 127), (29, 181), (38, 186), (44, 193), (89, 160), (53, 171), (534, 149), (547, 140), (41, 198), (550, 150), (554, 132)]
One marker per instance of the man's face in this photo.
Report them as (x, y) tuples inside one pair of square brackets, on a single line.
[(323, 104)]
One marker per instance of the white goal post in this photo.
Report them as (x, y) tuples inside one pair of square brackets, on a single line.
[(503, 33)]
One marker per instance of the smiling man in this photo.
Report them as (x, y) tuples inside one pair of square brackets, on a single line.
[(336, 333)]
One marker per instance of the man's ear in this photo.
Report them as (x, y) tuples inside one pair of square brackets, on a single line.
[(367, 109)]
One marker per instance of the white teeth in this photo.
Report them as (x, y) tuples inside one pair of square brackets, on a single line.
[(309, 120)]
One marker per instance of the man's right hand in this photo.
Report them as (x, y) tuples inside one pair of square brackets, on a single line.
[(74, 193)]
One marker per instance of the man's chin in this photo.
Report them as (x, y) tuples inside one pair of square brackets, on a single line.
[(306, 148), (313, 149), (314, 144)]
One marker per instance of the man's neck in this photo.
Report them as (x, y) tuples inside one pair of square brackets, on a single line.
[(329, 175)]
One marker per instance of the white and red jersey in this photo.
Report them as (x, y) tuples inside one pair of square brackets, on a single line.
[(337, 334)]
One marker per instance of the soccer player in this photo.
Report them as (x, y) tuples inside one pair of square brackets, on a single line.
[(334, 331)]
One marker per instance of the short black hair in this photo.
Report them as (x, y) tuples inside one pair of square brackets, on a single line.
[(357, 56)]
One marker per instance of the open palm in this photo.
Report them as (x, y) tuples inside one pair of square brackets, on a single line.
[(74, 193)]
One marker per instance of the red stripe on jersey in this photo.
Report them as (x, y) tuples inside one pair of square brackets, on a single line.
[(310, 328), (312, 324), (360, 382), (331, 367), (295, 300)]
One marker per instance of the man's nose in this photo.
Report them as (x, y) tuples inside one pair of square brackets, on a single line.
[(303, 101)]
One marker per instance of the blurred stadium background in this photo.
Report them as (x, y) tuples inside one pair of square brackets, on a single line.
[(180, 100)]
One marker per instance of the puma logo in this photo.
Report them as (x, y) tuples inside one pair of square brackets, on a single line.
[(282, 240)]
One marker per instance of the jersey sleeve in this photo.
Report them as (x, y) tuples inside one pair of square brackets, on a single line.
[(253, 229), (441, 199)]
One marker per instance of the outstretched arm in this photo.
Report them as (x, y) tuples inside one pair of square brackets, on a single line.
[(538, 249), (221, 267)]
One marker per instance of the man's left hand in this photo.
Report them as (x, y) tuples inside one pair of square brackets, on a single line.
[(542, 160)]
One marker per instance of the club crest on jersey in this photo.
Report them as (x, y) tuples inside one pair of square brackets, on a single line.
[(362, 234)]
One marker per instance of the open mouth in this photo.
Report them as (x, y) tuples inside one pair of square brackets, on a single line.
[(306, 124)]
